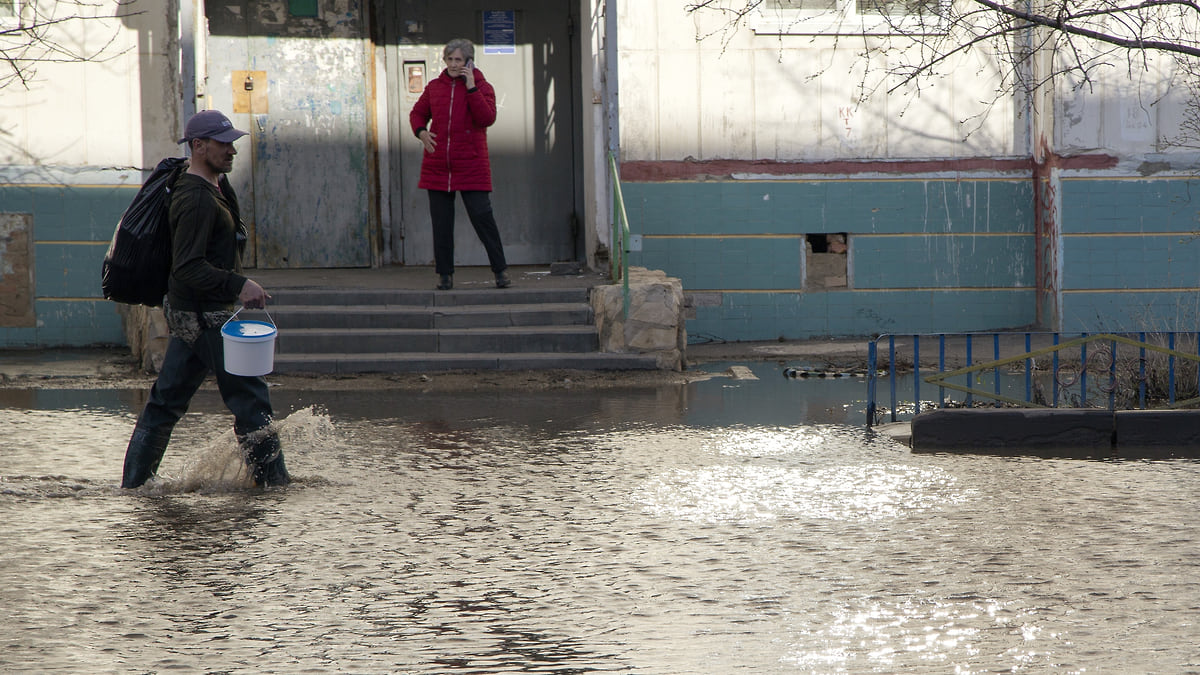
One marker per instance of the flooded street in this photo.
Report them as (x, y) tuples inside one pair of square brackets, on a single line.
[(721, 526)]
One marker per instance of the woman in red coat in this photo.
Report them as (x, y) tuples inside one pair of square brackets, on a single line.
[(451, 119)]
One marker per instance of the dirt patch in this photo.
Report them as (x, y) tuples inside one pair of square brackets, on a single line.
[(115, 368), (490, 380)]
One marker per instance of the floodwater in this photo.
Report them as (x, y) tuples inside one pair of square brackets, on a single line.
[(720, 527)]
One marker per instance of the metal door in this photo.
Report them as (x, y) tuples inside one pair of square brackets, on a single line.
[(533, 144), (304, 175)]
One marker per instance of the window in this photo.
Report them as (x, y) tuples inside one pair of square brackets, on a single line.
[(825, 261), (876, 17), (8, 10)]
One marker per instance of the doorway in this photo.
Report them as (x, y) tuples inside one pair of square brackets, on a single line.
[(527, 50), (295, 79)]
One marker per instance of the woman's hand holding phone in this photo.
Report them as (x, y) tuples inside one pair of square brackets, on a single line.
[(469, 73)]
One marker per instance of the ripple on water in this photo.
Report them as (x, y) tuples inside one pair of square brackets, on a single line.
[(768, 493), (460, 538)]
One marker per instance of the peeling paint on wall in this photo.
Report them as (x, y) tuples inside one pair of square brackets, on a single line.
[(16, 270)]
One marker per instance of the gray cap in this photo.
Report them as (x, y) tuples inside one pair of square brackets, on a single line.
[(211, 124)]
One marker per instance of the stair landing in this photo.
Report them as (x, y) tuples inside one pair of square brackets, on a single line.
[(391, 320)]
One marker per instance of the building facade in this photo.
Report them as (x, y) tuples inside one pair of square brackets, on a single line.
[(799, 191), (327, 177), (783, 177)]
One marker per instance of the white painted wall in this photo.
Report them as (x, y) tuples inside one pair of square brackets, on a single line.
[(744, 95), (94, 115), (1130, 109)]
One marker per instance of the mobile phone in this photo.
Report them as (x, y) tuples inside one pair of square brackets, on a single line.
[(471, 64)]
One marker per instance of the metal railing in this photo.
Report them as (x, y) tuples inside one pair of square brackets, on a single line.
[(1037, 370), (620, 233)]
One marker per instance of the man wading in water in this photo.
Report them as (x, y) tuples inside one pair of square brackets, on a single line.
[(207, 238)]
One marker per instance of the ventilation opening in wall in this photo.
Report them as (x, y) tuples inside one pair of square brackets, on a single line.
[(826, 260)]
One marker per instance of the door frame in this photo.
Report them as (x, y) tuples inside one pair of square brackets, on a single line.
[(392, 131), (594, 47)]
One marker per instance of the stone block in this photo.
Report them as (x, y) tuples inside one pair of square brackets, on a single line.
[(656, 320), (146, 333)]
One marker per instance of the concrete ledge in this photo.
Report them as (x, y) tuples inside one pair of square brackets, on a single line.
[(1159, 434), (1015, 431), (1059, 432)]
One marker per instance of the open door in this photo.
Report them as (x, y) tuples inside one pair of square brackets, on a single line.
[(526, 51)]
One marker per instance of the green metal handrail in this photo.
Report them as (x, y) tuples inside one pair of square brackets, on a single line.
[(620, 233)]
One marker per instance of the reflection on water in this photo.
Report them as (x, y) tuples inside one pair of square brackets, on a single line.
[(725, 526), (750, 493)]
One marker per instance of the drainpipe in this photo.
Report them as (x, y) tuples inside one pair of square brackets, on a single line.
[(191, 57), (612, 112), (1046, 181)]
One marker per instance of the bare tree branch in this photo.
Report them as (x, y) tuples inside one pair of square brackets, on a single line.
[(1063, 22), (38, 34), (920, 39)]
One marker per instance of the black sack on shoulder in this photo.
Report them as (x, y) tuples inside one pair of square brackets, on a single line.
[(138, 261)]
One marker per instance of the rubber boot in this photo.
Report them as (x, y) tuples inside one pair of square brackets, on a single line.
[(264, 456), (145, 451)]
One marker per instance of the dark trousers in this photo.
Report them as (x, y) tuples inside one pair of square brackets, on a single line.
[(184, 369), (479, 210)]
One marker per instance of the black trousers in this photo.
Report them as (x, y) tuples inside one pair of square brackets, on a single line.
[(183, 370), (479, 210)]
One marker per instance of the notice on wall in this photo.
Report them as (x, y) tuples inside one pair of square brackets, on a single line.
[(500, 31)]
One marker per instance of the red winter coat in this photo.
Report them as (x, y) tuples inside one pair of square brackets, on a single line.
[(459, 120)]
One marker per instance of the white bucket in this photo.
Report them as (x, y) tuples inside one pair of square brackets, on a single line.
[(249, 346)]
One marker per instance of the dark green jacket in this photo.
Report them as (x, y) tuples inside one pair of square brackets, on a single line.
[(207, 238)]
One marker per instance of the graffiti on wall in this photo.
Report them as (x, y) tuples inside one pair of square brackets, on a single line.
[(1048, 220)]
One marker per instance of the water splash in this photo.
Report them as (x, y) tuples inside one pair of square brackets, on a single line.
[(219, 465)]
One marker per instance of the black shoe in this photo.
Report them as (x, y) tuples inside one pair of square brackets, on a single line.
[(502, 280), (273, 474), (446, 282), (145, 451)]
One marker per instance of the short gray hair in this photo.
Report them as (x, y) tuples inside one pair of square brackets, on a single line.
[(464, 44)]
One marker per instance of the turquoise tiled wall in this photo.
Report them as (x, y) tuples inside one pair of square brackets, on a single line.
[(731, 262), (835, 314), (940, 261), (1130, 254), (925, 255), (72, 226)]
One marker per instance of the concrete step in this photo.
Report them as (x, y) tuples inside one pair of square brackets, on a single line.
[(482, 340), (348, 317), (338, 297), (373, 329), (432, 362)]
